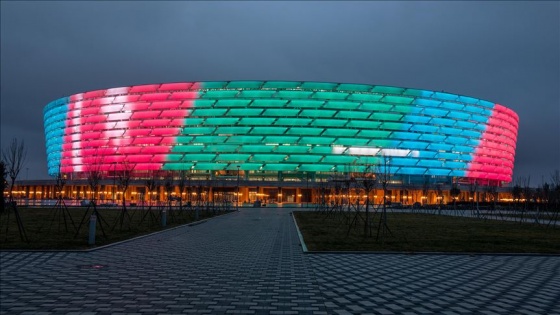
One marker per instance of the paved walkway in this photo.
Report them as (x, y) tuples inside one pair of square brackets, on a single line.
[(250, 262)]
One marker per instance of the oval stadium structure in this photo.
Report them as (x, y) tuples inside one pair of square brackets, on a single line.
[(282, 128)]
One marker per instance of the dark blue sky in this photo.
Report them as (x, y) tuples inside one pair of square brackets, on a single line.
[(505, 52)]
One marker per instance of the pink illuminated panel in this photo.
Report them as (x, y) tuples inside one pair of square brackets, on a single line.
[(138, 125), (494, 157)]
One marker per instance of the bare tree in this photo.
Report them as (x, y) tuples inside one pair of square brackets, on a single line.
[(123, 182), (13, 160)]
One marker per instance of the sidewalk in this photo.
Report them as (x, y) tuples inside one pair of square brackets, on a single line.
[(250, 262)]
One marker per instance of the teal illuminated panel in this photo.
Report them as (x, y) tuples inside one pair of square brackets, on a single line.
[(193, 121), (281, 84), (232, 157), (244, 139), (295, 158), (201, 157), (281, 139), (329, 123), (220, 148), (257, 148), (288, 149), (217, 94), (281, 112), (243, 112), (268, 157), (316, 168), (317, 113), (232, 103), (183, 166), (209, 112), (365, 97), (340, 132), (354, 87), (233, 130), (304, 131), (245, 84), (352, 141), (213, 84), (382, 134), (321, 150), (204, 103), (352, 115), (365, 124), (209, 139), (293, 121), (339, 159), (268, 103), (316, 140), (306, 104), (386, 116), (279, 167), (220, 121), (256, 94), (388, 89), (293, 94), (398, 99), (198, 130), (330, 95), (210, 166), (341, 105), (256, 121), (188, 148), (317, 86), (268, 130)]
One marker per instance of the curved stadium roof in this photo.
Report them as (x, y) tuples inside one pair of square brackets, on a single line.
[(280, 126)]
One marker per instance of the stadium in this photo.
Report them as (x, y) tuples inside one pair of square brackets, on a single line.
[(280, 134)]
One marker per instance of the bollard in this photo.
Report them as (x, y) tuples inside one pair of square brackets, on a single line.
[(163, 218), (92, 226)]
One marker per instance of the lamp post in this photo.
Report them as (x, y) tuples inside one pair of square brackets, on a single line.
[(237, 188)]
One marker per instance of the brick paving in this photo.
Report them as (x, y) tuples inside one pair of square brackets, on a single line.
[(250, 262)]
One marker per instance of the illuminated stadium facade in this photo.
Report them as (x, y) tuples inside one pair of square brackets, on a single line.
[(281, 130)]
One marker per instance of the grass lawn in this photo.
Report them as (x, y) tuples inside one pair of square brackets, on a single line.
[(427, 233), (45, 227)]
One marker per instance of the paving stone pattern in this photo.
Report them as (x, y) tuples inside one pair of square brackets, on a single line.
[(250, 262)]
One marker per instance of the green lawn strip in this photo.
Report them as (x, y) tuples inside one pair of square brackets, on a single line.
[(427, 233), (45, 228)]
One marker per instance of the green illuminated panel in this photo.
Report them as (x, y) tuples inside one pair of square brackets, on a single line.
[(305, 103), (244, 139), (220, 121), (174, 157), (398, 99), (352, 115), (200, 157), (365, 97), (366, 124), (188, 148), (281, 139), (257, 148), (193, 121), (380, 143), (340, 132), (268, 130), (268, 158), (316, 168), (304, 158), (317, 86), (292, 149), (388, 89), (256, 94), (256, 121), (212, 94), (281, 112), (232, 157), (321, 150), (354, 87), (316, 140), (342, 105), (218, 148), (293, 94), (317, 113), (386, 116), (339, 159), (213, 85), (232, 103), (203, 103), (401, 109), (243, 112), (293, 121), (304, 131), (352, 141), (281, 84), (245, 84), (279, 167), (183, 139), (233, 130), (209, 139), (210, 166), (329, 122), (330, 95), (209, 112), (394, 126), (198, 130), (268, 103), (376, 107), (177, 166)]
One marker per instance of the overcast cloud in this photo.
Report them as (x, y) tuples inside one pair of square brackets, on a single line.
[(505, 52)]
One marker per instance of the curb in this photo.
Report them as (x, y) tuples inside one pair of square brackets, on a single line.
[(301, 240)]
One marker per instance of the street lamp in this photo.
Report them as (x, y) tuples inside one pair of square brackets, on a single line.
[(237, 187)]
